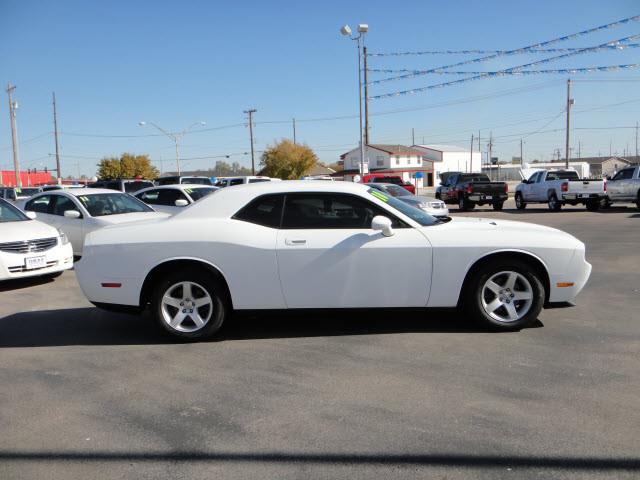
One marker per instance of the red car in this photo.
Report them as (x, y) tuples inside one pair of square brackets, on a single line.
[(383, 178)]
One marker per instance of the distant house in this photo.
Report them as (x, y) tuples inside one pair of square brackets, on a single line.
[(603, 166), (450, 158), (398, 160)]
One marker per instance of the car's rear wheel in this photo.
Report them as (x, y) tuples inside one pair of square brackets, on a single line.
[(553, 203), (190, 305), (593, 205), (505, 295), (638, 200), (520, 204), (498, 206)]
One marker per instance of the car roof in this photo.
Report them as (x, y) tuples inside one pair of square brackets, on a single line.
[(76, 192), (228, 201), (177, 186)]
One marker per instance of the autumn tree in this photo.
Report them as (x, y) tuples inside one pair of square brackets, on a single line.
[(288, 160), (126, 166)]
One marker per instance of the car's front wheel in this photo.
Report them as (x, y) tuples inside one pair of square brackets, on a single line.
[(520, 204), (505, 295), (190, 305)]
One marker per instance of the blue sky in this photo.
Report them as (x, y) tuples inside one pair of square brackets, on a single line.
[(115, 63)]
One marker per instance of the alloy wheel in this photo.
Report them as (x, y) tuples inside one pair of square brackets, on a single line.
[(186, 307), (507, 296)]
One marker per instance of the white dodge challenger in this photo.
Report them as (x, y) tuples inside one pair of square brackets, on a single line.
[(317, 245)]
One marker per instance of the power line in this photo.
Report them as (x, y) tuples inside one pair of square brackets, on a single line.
[(562, 71), (498, 52)]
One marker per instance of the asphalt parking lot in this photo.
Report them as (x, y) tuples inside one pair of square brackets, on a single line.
[(89, 394)]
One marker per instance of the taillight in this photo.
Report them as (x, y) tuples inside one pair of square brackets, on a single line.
[(469, 189), (564, 187), (605, 185), (506, 188)]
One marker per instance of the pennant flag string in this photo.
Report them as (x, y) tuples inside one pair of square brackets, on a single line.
[(518, 51), (498, 52), (518, 67), (606, 68)]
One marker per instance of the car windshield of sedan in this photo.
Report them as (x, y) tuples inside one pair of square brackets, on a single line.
[(9, 213), (27, 192), (396, 191), (413, 213), (102, 204), (198, 193)]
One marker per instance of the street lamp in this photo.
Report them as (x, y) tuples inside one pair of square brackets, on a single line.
[(359, 39), (175, 136)]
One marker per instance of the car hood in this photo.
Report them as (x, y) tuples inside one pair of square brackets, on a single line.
[(417, 199), (516, 233), (25, 230), (132, 217)]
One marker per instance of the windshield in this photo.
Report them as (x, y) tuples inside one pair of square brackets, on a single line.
[(9, 213), (414, 213), (198, 193), (196, 180), (103, 204), (396, 191), (27, 192), (131, 187)]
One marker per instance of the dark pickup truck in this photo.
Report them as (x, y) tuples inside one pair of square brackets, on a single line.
[(471, 189)]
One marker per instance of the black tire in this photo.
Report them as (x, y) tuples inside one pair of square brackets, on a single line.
[(475, 293), (553, 203), (498, 206), (520, 203), (605, 203), (593, 205), (200, 281), (638, 200)]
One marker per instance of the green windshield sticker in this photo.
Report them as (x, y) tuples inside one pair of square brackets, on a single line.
[(379, 195), (188, 190)]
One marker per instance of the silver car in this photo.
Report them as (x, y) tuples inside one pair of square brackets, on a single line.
[(436, 208)]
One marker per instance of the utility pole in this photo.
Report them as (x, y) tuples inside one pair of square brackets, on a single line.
[(490, 153), (579, 149), (294, 131), (55, 134), (480, 150), (636, 141), (569, 103), (250, 112), (366, 97), (471, 155), (521, 154), (14, 134), (413, 136)]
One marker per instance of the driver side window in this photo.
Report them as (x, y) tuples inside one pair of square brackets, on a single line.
[(330, 211)]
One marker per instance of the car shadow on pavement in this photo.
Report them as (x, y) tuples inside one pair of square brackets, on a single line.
[(20, 283), (92, 326)]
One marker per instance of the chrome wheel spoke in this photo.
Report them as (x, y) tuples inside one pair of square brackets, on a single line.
[(511, 311), (511, 280), (169, 300), (177, 320), (201, 302), (493, 306), (186, 291), (522, 295), (197, 319), (493, 286)]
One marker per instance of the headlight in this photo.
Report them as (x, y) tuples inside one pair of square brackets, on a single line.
[(63, 237)]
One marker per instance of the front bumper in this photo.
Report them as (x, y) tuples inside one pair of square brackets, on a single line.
[(56, 259), (577, 274)]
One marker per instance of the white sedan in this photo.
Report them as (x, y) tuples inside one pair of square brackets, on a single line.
[(30, 248), (79, 211), (300, 245), (173, 198)]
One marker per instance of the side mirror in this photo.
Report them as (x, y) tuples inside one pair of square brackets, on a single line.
[(71, 214), (31, 215), (608, 177), (382, 224), (181, 202)]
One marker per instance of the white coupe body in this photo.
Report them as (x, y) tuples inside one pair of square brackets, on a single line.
[(80, 211), (30, 248), (294, 263)]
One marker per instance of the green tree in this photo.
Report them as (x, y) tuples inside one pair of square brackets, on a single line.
[(126, 166), (288, 160)]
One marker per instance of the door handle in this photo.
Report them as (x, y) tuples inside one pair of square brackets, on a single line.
[(294, 242)]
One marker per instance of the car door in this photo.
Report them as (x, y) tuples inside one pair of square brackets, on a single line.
[(72, 227), (42, 206), (539, 188), (329, 257), (617, 186)]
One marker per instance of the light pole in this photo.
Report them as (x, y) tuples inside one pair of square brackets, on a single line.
[(175, 136), (346, 31)]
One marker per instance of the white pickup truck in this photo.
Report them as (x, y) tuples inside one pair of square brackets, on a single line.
[(557, 188), (625, 186)]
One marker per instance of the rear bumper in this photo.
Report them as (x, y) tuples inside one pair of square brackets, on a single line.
[(482, 197), (582, 196)]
